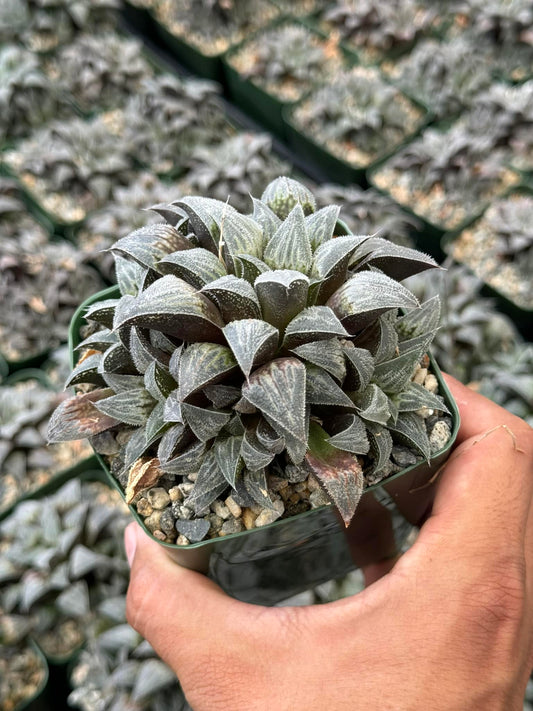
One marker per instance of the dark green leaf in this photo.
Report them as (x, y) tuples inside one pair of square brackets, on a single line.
[(256, 456), (267, 219), (360, 366), (158, 381), (330, 263), (393, 375), (249, 268), (380, 445), (102, 312), (256, 485), (130, 276), (393, 259), (235, 298), (228, 456), (197, 266), (203, 364), (187, 461), (252, 342), (321, 389), (315, 323), (282, 295), (222, 395), (416, 396), (417, 322), (205, 424), (210, 483), (373, 405), (351, 435), (269, 438), (99, 341), (410, 430), (132, 408), (326, 354), (176, 308), (87, 372), (172, 442), (150, 244), (367, 295), (290, 247), (321, 225)]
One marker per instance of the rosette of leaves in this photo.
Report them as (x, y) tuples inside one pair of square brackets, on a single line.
[(169, 117), (506, 114), (100, 71), (445, 76), (27, 97), (287, 60), (125, 210), (508, 380), (233, 169), (16, 223), (43, 283), (374, 29), (62, 556), (472, 331), (369, 212), (71, 167), (243, 345), (503, 22), (357, 116), (499, 247), (25, 460), (119, 670), (446, 177), (213, 26), (49, 23)]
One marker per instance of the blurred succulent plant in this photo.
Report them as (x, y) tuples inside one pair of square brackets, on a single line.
[(446, 176), (505, 113), (473, 332), (72, 166), (275, 333), (445, 76), (120, 670), (99, 71), (125, 210), (27, 97), (214, 25), (374, 29), (169, 117), (369, 212), (23, 672), (288, 60), (357, 116), (42, 25), (26, 462), (499, 247), (508, 380), (43, 283), (62, 555), (16, 223), (504, 22), (233, 169)]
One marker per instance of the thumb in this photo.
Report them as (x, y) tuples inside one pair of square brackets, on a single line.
[(176, 609)]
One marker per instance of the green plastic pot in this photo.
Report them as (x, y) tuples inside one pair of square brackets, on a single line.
[(39, 700), (269, 564)]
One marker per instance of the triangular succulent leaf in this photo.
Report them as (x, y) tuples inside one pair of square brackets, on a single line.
[(252, 342), (196, 266), (235, 298), (290, 247), (203, 364)]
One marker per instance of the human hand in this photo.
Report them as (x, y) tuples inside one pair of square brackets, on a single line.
[(449, 628)]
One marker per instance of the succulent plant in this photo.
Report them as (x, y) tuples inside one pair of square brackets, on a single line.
[(300, 8), (508, 380), (374, 29), (43, 283), (169, 117), (124, 211), (505, 113), (499, 247), (369, 212), (357, 116), (446, 176), (234, 169), (71, 167), (61, 557), (16, 224), (119, 670), (99, 71), (503, 21), (214, 25), (23, 672), (42, 25), (287, 60), (472, 332), (27, 98), (26, 462), (248, 345), (445, 76)]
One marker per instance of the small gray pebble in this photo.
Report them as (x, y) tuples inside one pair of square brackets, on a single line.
[(232, 525), (403, 456), (439, 436), (167, 521), (195, 530)]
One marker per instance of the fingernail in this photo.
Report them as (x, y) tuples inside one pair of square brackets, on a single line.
[(130, 542)]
